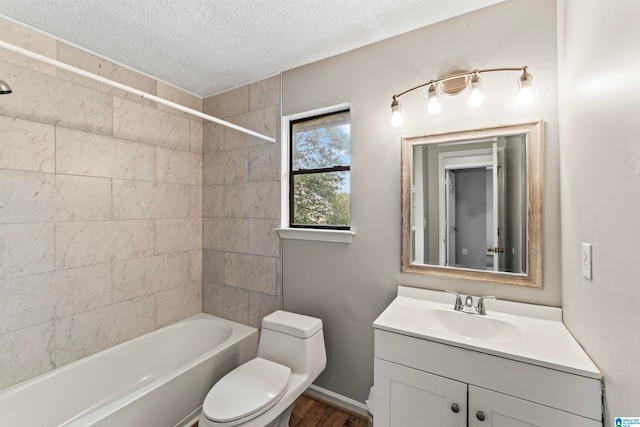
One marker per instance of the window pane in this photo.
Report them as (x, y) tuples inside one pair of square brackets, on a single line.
[(322, 199), (321, 142)]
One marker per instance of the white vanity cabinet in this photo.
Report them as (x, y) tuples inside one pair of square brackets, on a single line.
[(423, 377), (411, 398), (414, 398), (489, 408)]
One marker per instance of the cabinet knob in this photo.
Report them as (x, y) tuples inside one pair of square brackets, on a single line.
[(480, 416), (455, 408)]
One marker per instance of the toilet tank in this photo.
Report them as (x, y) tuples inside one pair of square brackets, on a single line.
[(293, 340)]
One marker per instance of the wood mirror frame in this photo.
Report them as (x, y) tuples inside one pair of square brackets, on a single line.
[(535, 176)]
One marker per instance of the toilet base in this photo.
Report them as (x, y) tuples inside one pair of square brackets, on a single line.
[(283, 419)]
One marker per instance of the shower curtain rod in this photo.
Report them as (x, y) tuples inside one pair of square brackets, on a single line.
[(75, 70)]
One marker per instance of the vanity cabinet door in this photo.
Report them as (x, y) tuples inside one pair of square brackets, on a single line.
[(407, 397), (491, 409)]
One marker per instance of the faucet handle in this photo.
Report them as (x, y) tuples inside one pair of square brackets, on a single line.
[(458, 306), (480, 309)]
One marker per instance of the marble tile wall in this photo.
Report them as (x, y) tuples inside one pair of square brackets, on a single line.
[(100, 210), (240, 205)]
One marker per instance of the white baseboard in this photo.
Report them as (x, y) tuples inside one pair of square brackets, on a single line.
[(338, 399)]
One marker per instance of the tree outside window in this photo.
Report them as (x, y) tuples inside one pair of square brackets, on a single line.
[(320, 194)]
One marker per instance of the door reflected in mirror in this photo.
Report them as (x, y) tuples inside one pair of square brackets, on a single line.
[(472, 204)]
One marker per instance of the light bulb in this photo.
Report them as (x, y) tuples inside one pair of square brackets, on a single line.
[(396, 119), (434, 106), (396, 114), (525, 96), (433, 103), (476, 97), (527, 93)]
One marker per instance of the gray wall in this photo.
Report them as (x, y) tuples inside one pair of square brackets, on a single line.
[(433, 222), (600, 163), (348, 285)]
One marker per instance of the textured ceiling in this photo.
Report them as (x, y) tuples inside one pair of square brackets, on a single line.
[(208, 46)]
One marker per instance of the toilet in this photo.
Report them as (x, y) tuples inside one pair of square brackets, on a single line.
[(262, 392)]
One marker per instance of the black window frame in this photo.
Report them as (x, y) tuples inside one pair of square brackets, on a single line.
[(293, 173)]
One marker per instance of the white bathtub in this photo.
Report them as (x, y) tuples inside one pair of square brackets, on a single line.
[(156, 380)]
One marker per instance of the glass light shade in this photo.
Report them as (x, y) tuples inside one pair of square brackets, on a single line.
[(525, 96), (476, 95), (527, 91), (397, 118), (433, 103)]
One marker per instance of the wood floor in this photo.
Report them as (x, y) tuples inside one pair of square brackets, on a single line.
[(309, 412)]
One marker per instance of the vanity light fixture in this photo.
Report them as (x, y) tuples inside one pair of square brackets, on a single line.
[(455, 82)]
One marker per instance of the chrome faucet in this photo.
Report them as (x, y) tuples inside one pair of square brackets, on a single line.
[(480, 306), (468, 306), (458, 304)]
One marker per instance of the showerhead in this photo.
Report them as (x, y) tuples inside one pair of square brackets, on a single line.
[(5, 89)]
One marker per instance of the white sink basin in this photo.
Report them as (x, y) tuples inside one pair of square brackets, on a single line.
[(471, 325), (523, 332)]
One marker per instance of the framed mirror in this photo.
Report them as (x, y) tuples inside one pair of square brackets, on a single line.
[(472, 204)]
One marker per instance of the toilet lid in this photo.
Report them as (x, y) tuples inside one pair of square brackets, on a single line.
[(249, 389)]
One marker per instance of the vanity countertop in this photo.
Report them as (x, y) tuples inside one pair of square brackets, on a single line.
[(532, 334)]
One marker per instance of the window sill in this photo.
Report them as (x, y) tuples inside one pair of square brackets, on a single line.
[(335, 236)]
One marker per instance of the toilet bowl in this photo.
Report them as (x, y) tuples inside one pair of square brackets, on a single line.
[(262, 392)]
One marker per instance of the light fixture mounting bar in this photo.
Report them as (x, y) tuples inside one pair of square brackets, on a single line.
[(81, 72), (457, 76)]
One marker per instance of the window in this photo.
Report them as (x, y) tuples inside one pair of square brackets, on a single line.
[(319, 180)]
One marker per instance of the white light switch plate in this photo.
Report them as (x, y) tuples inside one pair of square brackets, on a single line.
[(586, 260)]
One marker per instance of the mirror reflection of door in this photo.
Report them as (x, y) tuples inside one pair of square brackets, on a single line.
[(467, 219)]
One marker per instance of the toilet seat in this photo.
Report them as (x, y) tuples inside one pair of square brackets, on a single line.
[(247, 391)]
